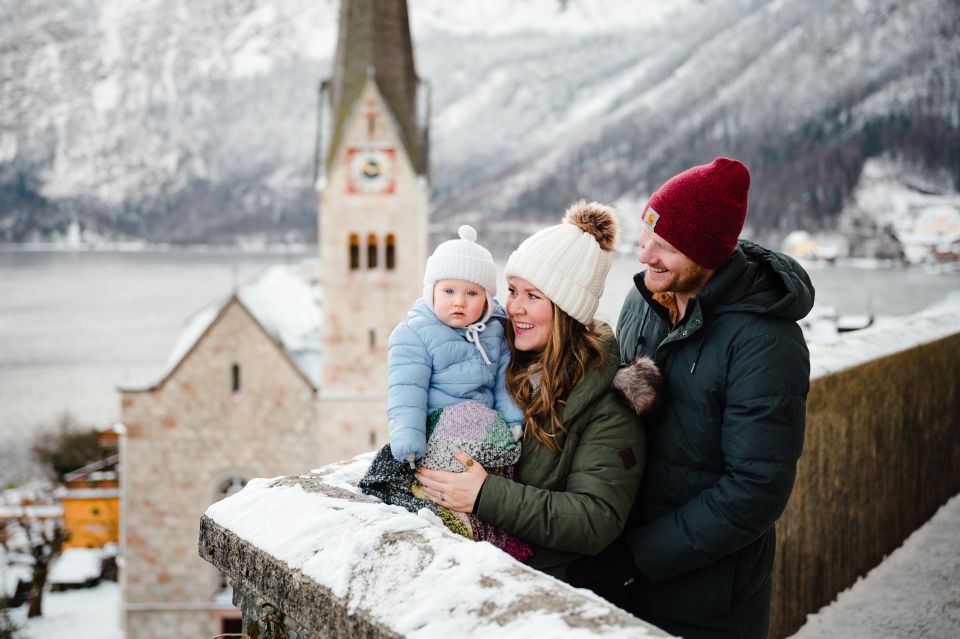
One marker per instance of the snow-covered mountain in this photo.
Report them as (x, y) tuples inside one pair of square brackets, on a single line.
[(186, 120)]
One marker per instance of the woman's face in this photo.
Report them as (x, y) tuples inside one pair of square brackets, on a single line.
[(530, 313)]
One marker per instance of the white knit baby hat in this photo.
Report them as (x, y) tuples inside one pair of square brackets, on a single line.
[(569, 262), (461, 259)]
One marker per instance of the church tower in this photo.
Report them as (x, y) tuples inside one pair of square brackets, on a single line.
[(373, 183)]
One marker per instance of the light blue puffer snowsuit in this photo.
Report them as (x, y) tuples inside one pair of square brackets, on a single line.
[(431, 366)]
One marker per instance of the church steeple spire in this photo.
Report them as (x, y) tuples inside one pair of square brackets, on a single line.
[(374, 41)]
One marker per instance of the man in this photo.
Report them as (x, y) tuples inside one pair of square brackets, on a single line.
[(720, 319)]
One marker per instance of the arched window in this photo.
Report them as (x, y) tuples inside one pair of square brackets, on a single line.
[(354, 252), (391, 257), (235, 378), (371, 251)]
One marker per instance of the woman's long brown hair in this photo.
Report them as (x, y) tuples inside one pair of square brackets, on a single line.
[(571, 348)]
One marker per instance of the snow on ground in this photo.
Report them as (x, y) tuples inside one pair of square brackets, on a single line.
[(92, 613), (915, 592), (77, 566)]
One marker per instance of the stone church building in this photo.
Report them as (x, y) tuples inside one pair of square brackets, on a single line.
[(287, 373)]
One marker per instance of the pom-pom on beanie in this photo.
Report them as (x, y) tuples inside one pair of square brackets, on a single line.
[(569, 262), (461, 259), (701, 211)]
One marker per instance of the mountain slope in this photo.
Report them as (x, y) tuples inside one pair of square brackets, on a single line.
[(802, 92), (185, 121)]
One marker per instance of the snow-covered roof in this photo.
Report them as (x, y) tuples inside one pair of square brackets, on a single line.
[(285, 305), (376, 559), (101, 469), (77, 566), (92, 493)]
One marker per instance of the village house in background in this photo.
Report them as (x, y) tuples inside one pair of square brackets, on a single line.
[(91, 500), (892, 216), (289, 372)]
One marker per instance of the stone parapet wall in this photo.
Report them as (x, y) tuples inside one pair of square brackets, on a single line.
[(882, 454), (336, 563)]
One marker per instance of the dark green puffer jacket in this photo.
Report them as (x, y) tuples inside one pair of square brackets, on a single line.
[(723, 449), (574, 502)]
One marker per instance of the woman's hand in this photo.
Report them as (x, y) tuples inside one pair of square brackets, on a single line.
[(454, 491)]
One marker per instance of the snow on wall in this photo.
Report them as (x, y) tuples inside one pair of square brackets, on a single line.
[(459, 587), (893, 335)]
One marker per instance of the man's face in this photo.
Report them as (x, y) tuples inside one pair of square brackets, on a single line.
[(669, 270)]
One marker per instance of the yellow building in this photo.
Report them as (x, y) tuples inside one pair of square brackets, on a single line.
[(91, 505)]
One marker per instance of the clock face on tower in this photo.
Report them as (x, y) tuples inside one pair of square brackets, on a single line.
[(370, 170)]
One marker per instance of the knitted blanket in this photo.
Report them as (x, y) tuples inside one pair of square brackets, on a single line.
[(469, 426)]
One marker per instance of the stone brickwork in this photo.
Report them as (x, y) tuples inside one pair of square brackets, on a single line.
[(186, 439), (352, 424)]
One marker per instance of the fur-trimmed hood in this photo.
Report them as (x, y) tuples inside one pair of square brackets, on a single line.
[(640, 384)]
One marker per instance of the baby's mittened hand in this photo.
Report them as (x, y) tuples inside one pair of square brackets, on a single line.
[(406, 442)]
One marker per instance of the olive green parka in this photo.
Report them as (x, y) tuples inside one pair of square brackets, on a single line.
[(723, 449), (574, 502)]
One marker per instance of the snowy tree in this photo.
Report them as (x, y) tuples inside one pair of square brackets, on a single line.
[(45, 539), (41, 539)]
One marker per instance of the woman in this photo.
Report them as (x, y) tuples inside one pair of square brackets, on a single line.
[(583, 449)]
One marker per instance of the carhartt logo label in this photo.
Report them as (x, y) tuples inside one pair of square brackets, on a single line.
[(650, 218)]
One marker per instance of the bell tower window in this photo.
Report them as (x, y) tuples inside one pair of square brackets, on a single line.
[(354, 252), (391, 252), (372, 251)]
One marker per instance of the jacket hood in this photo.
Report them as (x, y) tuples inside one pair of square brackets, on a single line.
[(758, 280)]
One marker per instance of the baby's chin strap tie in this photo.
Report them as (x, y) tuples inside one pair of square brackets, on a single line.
[(473, 336)]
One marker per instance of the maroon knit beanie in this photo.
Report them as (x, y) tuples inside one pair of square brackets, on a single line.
[(701, 211)]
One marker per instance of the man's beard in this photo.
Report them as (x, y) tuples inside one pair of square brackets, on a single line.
[(689, 280)]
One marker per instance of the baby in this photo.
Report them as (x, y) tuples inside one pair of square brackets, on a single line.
[(451, 347)]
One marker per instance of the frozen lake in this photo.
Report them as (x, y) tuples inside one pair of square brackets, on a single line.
[(75, 324)]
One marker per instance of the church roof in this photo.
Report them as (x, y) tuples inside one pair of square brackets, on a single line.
[(374, 39), (285, 306)]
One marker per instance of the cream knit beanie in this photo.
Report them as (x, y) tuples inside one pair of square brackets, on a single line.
[(569, 262), (461, 259)]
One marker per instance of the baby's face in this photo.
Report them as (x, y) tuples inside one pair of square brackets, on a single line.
[(458, 303)]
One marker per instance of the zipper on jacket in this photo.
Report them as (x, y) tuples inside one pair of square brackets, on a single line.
[(696, 355)]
